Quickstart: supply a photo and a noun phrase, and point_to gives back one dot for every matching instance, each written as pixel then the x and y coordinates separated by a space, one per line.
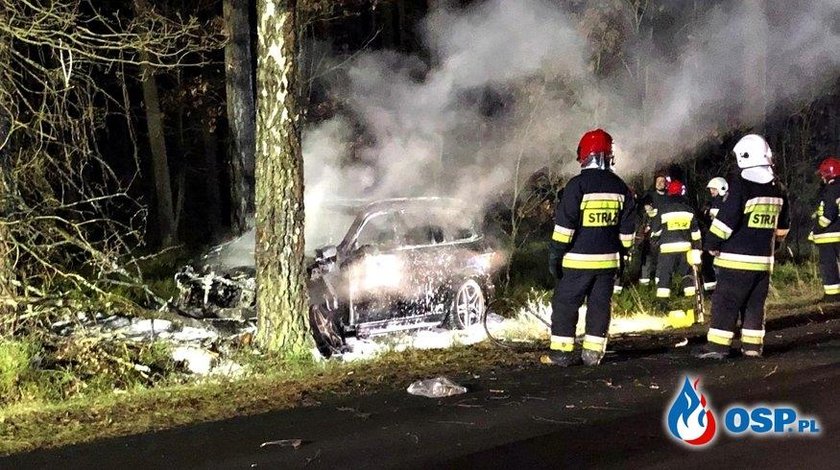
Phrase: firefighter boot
pixel 590 357
pixel 560 358
pixel 831 298
pixel 752 342
pixel 711 351
pixel 752 350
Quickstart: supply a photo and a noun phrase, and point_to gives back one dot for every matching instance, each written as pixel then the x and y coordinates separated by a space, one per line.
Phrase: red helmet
pixel 675 188
pixel 594 142
pixel 829 168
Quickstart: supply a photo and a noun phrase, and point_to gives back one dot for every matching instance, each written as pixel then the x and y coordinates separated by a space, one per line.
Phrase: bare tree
pixel 59 197
pixel 281 289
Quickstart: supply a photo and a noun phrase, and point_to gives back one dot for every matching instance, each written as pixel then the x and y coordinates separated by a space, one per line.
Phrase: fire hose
pixel 502 343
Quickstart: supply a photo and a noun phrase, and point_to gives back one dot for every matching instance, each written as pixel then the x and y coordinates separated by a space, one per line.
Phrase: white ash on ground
pixel 523 327
pixel 200 346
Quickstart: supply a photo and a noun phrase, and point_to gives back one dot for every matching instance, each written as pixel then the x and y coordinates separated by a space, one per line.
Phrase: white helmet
pixel 720 184
pixel 752 150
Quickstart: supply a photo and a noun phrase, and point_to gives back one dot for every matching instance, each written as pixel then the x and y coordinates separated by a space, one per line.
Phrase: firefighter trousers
pixel 668 266
pixel 830 267
pixel 596 287
pixel 648 251
pixel 738 293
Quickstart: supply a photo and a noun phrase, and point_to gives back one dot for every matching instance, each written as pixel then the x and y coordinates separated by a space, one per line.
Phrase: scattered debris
pixel 199 344
pixel 356 413
pixel 608 383
pixel 294 443
pixel 772 372
pixel 436 388
pixel 556 421
pixel 462 423
pixel 315 457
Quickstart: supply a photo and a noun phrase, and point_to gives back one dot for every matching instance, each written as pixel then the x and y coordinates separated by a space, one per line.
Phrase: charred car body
pixel 403 264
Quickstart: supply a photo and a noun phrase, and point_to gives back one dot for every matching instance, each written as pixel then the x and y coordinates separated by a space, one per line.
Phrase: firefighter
pixel 717 187
pixel 742 238
pixel 594 224
pixel 676 231
pixel 826 232
pixel 650 203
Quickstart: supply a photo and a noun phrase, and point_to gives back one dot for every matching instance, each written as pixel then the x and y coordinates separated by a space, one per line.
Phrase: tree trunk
pixel 281 291
pixel 214 205
pixel 157 144
pixel 240 111
pixel 160 162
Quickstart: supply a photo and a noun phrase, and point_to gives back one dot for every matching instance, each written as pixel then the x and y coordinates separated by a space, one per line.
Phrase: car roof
pixel 414 202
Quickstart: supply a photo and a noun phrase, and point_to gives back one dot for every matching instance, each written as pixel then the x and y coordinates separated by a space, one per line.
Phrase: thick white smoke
pixel 512 85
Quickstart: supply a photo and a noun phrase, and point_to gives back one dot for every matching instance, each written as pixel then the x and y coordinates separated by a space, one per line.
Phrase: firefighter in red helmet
pixel 677 233
pixel 594 226
pixel 826 233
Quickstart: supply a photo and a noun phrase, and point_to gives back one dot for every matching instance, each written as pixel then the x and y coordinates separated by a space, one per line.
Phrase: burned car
pixel 402 264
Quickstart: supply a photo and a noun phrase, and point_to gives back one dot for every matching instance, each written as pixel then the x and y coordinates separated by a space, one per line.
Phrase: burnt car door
pixel 375 269
pixel 429 259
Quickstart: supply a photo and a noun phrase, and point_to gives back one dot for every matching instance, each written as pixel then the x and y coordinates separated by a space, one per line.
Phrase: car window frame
pixel 475 235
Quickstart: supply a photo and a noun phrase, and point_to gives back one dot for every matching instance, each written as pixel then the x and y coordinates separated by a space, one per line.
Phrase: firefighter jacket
pixel 827 226
pixel 676 227
pixel 744 231
pixel 714 207
pixel 652 198
pixel 594 221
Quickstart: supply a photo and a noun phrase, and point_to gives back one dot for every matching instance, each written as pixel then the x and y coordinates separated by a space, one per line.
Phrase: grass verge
pixel 38 423
pixel 27 427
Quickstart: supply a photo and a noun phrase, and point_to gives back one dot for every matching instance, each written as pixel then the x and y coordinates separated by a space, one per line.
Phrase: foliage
pixel 68 225
pixel 16 358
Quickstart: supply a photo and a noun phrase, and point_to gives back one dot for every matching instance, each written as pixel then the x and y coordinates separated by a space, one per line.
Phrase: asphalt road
pixel 533 417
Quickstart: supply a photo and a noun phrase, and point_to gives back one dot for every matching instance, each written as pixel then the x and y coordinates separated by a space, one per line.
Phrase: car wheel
pixel 468 305
pixel 328 334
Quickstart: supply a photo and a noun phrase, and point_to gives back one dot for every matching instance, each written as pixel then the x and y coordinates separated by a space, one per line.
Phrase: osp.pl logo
pixel 690 420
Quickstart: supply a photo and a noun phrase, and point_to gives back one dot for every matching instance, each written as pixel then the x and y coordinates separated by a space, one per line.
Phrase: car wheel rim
pixel 470 303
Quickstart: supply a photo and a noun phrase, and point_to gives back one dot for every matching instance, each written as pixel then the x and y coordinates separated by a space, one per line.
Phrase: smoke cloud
pixel 510 87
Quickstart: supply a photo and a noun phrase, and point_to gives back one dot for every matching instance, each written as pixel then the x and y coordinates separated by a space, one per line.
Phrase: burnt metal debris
pixel 229 294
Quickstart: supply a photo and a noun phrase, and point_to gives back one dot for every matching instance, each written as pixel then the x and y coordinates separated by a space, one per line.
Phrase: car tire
pixel 326 330
pixel 468 306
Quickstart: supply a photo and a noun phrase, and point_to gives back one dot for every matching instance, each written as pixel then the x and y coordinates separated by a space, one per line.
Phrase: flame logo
pixel 688 419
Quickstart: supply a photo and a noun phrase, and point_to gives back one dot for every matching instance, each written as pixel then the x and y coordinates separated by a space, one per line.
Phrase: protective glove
pixel 811 236
pixel 694 257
